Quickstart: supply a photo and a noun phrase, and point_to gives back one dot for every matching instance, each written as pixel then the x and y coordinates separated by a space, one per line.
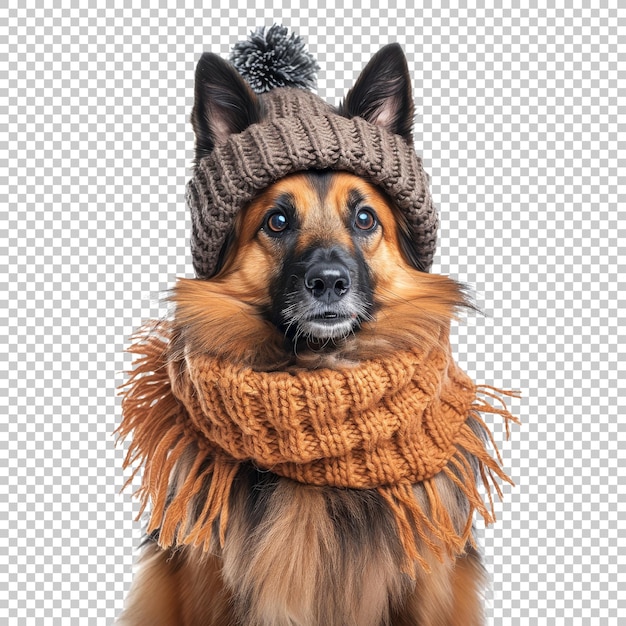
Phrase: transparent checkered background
pixel 518 126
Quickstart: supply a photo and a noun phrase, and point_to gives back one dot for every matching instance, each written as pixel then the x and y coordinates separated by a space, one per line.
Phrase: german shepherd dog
pixel 319 270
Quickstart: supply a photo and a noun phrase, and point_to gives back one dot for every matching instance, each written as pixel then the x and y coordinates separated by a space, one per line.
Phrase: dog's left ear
pixel 382 93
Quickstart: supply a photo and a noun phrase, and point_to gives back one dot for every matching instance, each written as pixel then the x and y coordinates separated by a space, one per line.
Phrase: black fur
pixel 290 288
pixel 382 93
pixel 223 103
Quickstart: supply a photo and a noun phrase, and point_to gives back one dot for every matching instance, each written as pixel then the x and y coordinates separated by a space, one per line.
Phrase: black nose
pixel 327 281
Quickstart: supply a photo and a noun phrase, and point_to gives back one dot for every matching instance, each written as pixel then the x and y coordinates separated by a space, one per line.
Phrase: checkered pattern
pixel 518 126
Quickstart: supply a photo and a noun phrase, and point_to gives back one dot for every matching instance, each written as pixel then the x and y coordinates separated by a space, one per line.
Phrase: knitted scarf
pixel 382 424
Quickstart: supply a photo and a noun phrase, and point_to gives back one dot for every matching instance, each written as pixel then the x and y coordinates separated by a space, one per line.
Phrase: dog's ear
pixel 382 93
pixel 223 103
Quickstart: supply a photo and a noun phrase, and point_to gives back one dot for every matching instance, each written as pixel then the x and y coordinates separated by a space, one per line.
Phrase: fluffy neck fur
pixel 215 317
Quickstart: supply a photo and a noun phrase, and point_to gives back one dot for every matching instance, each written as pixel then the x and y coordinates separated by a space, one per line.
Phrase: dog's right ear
pixel 223 103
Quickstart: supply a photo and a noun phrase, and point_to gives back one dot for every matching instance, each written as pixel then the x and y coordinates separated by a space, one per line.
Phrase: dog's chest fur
pixel 304 556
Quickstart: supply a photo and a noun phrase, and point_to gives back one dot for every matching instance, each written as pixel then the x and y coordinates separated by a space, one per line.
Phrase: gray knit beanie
pixel 299 132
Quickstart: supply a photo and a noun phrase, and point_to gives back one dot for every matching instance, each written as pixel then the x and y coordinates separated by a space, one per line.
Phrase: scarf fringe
pixel 158 423
pixel 433 528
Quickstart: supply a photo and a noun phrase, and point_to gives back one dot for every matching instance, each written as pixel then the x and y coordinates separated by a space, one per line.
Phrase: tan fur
pixel 292 569
pixel 320 221
pixel 450 596
pixel 214 318
pixel 296 555
pixel 177 588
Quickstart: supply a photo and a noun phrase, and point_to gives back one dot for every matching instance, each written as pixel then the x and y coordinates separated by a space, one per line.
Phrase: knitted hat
pixel 293 130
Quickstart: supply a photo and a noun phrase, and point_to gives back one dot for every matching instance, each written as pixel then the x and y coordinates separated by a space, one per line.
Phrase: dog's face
pixel 320 266
pixel 319 243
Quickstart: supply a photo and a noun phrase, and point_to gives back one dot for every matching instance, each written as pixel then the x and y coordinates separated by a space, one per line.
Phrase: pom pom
pixel 274 59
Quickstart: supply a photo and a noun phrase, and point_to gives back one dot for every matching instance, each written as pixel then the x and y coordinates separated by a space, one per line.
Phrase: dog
pixel 318 271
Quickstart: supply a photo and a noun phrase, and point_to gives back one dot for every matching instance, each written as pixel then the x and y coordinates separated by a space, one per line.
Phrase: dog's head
pixel 320 265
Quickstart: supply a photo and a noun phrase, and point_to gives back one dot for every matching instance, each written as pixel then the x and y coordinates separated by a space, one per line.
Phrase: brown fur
pixel 297 555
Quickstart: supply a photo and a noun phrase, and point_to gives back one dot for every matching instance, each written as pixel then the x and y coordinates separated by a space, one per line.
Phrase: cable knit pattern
pixel 385 419
pixel 301 132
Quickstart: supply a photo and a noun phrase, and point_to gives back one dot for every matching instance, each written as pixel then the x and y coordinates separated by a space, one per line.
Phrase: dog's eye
pixel 277 222
pixel 365 219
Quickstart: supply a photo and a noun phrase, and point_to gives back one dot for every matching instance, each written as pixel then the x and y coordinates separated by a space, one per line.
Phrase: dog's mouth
pixel 325 325
pixel 331 317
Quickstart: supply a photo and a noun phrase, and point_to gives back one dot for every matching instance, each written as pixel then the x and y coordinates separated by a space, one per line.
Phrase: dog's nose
pixel 327 281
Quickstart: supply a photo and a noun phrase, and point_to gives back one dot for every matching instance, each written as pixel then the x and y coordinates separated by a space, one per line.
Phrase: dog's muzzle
pixel 325 299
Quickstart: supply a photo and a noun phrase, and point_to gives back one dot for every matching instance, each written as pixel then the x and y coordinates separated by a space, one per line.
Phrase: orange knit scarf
pixel 382 424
